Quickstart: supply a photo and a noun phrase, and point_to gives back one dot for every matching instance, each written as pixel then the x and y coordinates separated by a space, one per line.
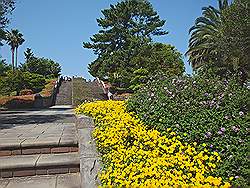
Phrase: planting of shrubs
pixel 135 156
pixel 201 110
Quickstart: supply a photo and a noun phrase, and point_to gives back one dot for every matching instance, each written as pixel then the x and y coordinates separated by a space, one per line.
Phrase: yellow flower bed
pixel 136 157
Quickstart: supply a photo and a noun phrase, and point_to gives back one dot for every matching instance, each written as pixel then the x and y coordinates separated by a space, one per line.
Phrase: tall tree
pixel 6 7
pixel 11 41
pixel 28 54
pixel 125 27
pixel 220 39
pixel 4 67
pixel 46 67
pixel 14 38
pixel 205 35
pixel 20 41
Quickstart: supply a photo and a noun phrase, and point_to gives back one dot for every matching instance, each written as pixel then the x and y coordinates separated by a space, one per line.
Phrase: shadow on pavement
pixel 13 120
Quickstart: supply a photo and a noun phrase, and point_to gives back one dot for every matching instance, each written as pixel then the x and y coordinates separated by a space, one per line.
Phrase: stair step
pixel 44 181
pixel 38 146
pixel 42 164
pixel 65 93
pixel 38 150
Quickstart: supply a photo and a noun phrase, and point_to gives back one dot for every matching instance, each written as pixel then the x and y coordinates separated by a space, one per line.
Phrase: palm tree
pixel 203 43
pixel 14 39
pixel 20 41
pixel 11 41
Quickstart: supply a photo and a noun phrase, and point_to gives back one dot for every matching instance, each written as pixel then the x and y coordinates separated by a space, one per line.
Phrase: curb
pixel 89 157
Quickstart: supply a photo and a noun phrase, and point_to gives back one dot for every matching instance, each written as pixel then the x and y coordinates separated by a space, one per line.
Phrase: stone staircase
pixel 35 150
pixel 64 97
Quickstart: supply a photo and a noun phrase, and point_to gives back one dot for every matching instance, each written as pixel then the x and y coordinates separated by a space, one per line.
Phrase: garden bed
pixel 27 101
pixel 133 155
pixel 24 101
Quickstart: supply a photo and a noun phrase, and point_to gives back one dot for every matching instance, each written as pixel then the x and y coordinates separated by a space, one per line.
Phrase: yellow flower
pixel 134 156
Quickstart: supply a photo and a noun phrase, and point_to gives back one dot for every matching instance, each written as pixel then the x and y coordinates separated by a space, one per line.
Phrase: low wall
pixel 89 157
pixel 47 101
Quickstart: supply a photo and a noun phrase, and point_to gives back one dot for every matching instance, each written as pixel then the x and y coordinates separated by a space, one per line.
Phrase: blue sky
pixel 55 29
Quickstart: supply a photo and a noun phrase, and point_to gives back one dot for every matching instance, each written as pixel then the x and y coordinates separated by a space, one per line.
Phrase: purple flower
pixel 208 134
pixel 236 177
pixel 206 94
pixel 222 129
pixel 235 129
pixel 211 146
pixel 241 113
pixel 220 133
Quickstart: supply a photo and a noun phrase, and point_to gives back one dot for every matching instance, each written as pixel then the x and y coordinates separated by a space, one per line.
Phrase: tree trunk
pixel 13 56
pixel 16 57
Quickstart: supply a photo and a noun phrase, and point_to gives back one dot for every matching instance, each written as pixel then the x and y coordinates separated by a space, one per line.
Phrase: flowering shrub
pixel 136 157
pixel 201 110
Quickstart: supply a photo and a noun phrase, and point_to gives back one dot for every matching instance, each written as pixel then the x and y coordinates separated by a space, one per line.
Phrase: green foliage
pixel 14 39
pixel 235 44
pixel 6 7
pixel 220 38
pixel 29 55
pixel 42 66
pixel 19 80
pixel 4 67
pixel 139 79
pixel 203 110
pixel 124 44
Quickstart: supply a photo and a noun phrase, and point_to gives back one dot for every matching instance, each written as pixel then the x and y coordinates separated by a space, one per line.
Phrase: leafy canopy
pixel 6 7
pixel 220 39
pixel 42 66
pixel 124 43
pixel 18 80
pixel 4 67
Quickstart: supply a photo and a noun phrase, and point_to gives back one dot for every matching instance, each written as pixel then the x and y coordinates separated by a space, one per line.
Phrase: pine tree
pixel 126 29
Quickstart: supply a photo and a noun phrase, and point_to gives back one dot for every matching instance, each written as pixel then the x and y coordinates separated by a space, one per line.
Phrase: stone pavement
pixel 38 134
pixel 48 181
pixel 56 114
pixel 36 142
pixel 35 128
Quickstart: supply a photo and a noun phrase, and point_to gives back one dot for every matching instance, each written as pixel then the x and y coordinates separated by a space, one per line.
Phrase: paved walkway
pixel 49 181
pixel 33 128
pixel 37 127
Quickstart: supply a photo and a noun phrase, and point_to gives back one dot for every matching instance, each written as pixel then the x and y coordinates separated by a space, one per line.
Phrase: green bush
pixel 4 67
pixel 202 110
pixel 18 80
pixel 42 66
